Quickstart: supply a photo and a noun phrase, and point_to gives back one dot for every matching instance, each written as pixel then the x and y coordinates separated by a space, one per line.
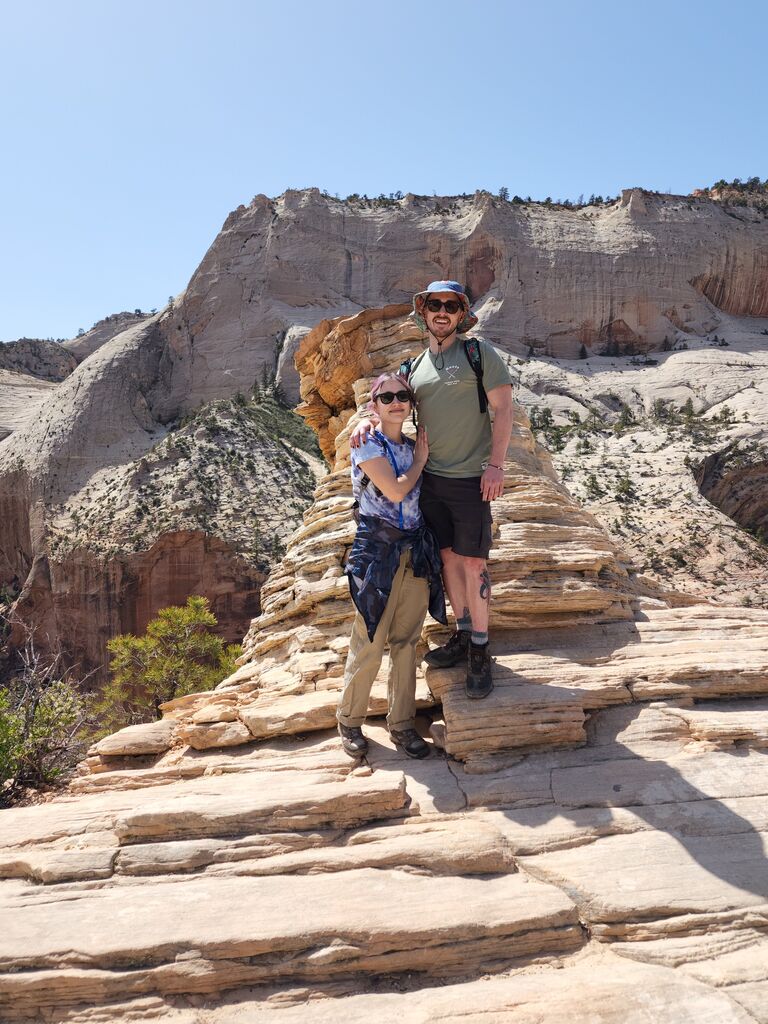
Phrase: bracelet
pixel 491 466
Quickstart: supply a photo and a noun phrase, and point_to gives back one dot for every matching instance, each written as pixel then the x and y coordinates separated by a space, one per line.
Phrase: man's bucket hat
pixel 419 298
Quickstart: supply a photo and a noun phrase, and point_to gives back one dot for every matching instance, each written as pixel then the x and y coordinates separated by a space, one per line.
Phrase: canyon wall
pixel 630 272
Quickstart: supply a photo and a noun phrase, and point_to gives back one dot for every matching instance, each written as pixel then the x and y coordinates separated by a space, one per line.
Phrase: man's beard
pixel 441 332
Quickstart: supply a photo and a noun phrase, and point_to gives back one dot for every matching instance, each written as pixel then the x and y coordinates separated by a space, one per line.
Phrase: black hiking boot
pixel 353 741
pixel 411 742
pixel 452 653
pixel 479 682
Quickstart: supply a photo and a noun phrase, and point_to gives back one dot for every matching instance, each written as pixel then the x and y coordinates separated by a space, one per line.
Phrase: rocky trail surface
pixel 262 882
pixel 588 844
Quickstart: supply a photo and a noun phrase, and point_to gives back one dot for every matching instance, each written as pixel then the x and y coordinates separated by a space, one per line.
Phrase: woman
pixel 393 571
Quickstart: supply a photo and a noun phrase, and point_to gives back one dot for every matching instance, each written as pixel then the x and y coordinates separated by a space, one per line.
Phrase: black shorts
pixel 456 513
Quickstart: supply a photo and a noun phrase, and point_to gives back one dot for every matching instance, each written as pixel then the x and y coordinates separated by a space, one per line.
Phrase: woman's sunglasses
pixel 435 305
pixel 388 397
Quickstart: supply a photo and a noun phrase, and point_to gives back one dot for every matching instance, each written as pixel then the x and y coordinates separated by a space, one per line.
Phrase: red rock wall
pixel 85 600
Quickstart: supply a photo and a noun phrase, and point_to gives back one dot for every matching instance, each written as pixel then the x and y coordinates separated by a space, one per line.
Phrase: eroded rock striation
pixel 29 369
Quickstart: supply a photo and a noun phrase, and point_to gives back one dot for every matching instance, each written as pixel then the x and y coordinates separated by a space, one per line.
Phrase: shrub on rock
pixel 43 720
pixel 179 654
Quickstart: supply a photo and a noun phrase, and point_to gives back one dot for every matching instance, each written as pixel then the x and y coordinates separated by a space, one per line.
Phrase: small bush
pixel 43 720
pixel 179 654
pixel 625 421
pixel 624 489
pixel 593 487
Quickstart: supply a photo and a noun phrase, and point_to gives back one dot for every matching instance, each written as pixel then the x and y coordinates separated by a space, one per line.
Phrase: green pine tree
pixel 179 654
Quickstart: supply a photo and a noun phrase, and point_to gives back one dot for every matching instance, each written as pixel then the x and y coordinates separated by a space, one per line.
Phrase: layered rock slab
pixel 546 682
pixel 597 990
pixel 679 858
pixel 206 935
pixel 653 884
pixel 735 963
pixel 64 841
pixel 454 846
pixel 727 722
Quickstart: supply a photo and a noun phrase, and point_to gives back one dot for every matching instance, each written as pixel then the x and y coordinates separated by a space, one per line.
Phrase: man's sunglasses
pixel 388 397
pixel 435 305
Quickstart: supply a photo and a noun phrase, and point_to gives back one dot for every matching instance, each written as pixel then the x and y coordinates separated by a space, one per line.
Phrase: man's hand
pixel 492 483
pixel 360 434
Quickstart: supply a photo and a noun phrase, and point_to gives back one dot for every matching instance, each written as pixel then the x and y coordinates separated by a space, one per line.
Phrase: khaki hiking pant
pixel 400 626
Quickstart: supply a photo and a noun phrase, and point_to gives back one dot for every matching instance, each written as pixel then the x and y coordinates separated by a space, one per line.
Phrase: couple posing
pixel 424 510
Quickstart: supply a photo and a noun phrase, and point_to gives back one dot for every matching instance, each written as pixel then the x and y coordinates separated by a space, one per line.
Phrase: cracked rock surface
pixel 271 881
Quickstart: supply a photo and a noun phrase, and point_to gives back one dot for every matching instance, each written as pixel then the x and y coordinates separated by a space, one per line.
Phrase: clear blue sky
pixel 131 128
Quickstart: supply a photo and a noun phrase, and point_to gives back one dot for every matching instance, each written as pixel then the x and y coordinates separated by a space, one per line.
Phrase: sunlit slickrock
pixel 147 738
pixel 449 847
pixel 726 722
pixel 542 691
pixel 597 989
pixel 361 921
pixel 603 799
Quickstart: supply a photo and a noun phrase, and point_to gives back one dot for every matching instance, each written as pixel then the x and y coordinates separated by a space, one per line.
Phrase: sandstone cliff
pixel 102 331
pixel 29 369
pixel 47 360
pixel 586 844
pixel 631 272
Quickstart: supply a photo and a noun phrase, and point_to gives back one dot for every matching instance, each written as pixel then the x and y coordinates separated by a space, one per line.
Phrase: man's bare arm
pixel 365 427
pixel 492 480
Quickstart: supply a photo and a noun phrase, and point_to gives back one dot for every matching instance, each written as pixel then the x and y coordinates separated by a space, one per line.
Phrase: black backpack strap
pixel 475 358
pixel 408 366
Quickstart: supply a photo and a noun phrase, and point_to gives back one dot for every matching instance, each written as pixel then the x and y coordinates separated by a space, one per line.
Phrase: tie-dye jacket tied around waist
pixel 374 560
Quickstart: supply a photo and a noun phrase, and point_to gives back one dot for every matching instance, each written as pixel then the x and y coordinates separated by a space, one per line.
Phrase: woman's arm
pixel 380 470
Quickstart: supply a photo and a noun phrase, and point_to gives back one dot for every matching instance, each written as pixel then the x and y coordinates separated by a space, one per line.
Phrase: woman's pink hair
pixel 382 379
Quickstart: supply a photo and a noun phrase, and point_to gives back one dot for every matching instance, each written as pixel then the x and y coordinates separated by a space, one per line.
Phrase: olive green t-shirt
pixel 459 435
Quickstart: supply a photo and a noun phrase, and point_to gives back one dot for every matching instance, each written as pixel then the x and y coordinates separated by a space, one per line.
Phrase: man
pixel 464 472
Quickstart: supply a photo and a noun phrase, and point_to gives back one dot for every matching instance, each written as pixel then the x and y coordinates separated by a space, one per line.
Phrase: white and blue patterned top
pixel 370 500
